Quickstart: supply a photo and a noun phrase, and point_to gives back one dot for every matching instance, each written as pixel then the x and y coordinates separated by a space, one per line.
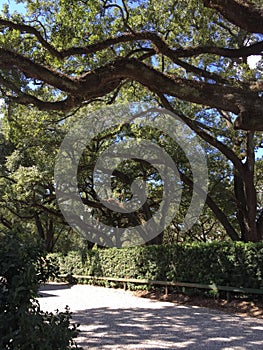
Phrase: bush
pixel 72 263
pixel 235 264
pixel 23 326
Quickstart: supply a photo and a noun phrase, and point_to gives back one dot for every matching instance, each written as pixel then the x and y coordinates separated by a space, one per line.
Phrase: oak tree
pixel 191 57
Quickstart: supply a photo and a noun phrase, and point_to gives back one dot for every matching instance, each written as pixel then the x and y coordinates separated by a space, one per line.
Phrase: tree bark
pixel 246 196
pixel 251 195
pixel 39 226
pixel 241 205
pixel 49 241
pixel 242 100
pixel 242 13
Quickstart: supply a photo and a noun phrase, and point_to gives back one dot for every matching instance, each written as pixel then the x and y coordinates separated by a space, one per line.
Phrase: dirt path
pixel 114 319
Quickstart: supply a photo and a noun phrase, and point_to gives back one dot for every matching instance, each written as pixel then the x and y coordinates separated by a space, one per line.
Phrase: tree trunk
pixel 39 226
pixel 49 241
pixel 241 205
pixel 246 196
pixel 158 240
pixel 250 190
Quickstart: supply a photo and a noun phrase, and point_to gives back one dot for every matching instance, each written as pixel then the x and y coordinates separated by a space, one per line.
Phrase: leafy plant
pixel 23 325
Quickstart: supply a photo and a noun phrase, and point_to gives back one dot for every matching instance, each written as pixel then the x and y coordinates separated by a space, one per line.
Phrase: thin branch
pixel 207 137
pixel 24 28
pixel 220 215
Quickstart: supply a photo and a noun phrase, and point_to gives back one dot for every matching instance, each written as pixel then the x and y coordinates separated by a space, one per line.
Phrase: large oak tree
pixel 190 56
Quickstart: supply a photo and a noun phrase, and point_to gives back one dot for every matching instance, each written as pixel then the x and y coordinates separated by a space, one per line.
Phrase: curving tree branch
pixel 101 81
pixel 243 14
pixel 198 128
pixel 160 45
pixel 206 88
pixel 219 214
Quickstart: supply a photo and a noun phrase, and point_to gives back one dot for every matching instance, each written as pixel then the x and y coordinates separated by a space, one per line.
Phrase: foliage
pixel 28 194
pixel 23 326
pixel 203 53
pixel 70 263
pixel 236 264
pixel 29 144
pixel 187 56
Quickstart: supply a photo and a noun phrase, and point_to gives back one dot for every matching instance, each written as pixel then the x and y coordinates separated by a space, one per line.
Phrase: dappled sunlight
pixel 168 327
pixel 114 319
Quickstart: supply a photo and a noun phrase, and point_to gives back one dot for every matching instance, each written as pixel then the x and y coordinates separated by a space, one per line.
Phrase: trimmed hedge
pixel 235 264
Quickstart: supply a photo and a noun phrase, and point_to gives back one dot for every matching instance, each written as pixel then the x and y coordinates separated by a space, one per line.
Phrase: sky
pixel 13 6
pixel 253 60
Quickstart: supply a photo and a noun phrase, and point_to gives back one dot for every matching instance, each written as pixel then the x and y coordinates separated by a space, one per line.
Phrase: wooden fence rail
pixel 166 284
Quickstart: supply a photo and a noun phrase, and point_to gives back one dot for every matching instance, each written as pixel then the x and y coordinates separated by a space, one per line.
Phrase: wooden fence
pixel 166 284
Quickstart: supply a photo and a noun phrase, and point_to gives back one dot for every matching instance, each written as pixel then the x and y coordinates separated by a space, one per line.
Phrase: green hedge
pixel 235 264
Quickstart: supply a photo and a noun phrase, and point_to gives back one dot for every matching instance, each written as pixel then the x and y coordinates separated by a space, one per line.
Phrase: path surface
pixel 114 319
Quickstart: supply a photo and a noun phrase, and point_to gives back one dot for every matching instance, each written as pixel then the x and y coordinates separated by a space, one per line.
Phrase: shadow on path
pixel 52 287
pixel 114 319
pixel 175 327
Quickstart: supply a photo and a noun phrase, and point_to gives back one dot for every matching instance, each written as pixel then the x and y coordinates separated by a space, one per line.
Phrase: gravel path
pixel 114 319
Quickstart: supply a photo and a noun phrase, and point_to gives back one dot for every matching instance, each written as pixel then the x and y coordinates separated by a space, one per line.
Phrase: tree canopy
pixel 62 54
pixel 61 59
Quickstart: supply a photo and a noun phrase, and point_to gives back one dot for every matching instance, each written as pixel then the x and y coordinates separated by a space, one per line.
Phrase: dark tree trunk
pixel 246 196
pixel 250 190
pixel 39 226
pixel 158 240
pixel 241 205
pixel 49 241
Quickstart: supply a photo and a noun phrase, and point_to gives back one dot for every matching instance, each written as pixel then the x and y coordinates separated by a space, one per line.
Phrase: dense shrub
pixel 236 264
pixel 23 326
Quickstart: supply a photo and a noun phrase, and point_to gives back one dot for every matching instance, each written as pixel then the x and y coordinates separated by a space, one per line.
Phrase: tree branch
pixel 160 44
pixel 11 59
pixel 23 28
pixel 196 127
pixel 242 101
pixel 242 13
pixel 219 214
pixel 253 49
